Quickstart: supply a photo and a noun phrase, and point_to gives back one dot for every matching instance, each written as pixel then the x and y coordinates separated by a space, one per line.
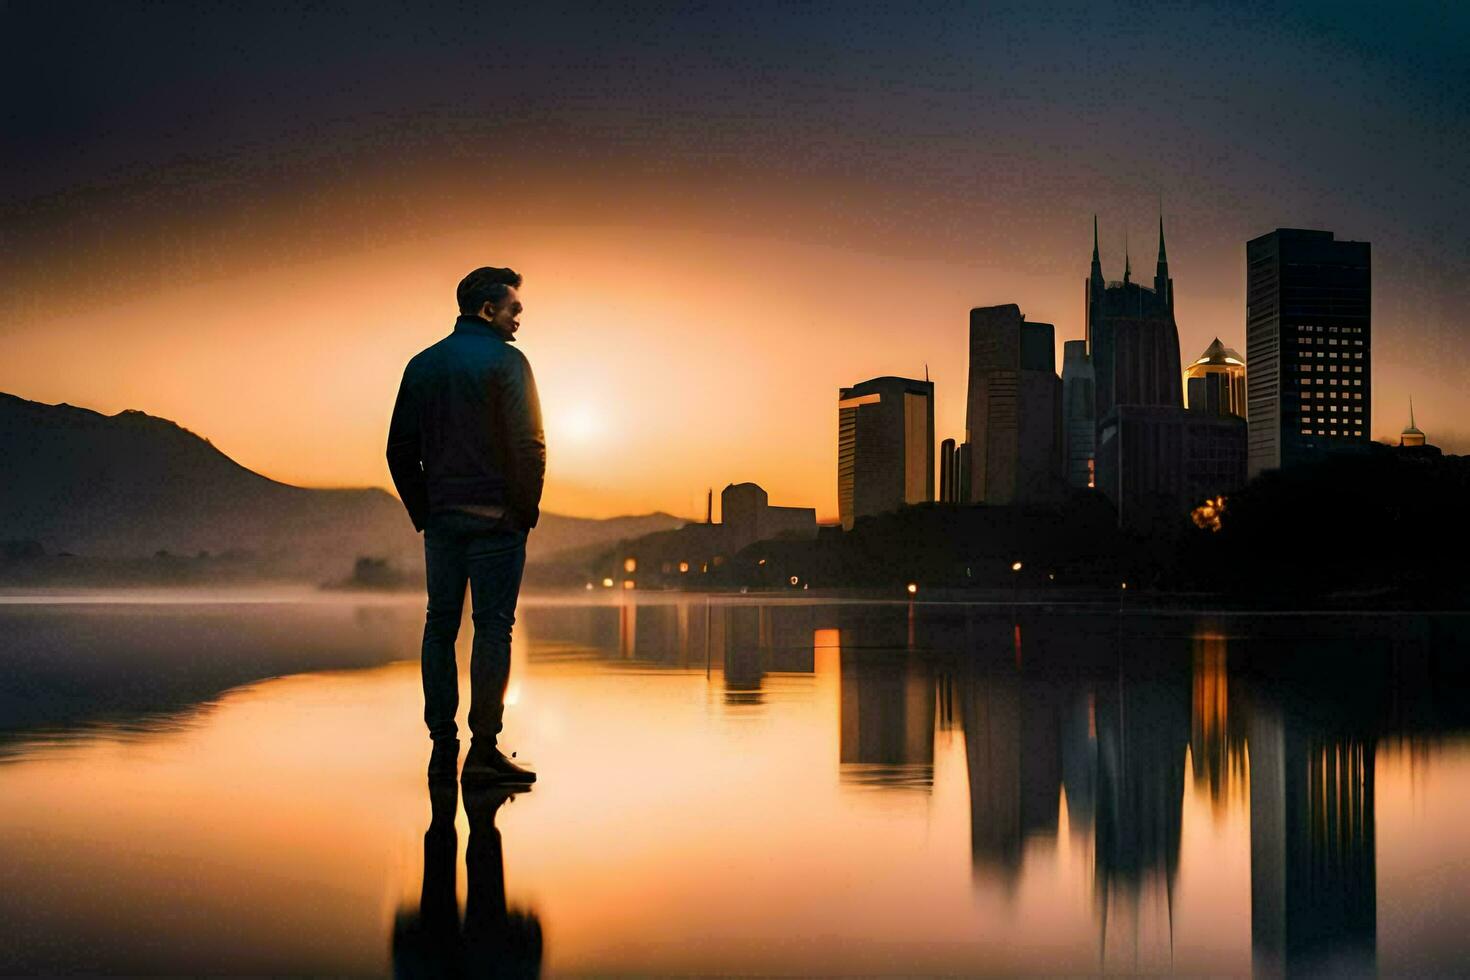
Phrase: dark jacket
pixel 466 428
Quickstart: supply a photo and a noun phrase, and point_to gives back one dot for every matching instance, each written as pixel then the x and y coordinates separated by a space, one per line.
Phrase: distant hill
pixel 131 485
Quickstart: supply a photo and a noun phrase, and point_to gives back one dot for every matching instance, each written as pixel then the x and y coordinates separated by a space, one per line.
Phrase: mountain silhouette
pixel 131 485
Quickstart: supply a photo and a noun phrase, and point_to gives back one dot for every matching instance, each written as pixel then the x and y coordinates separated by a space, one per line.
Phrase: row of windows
pixel 1330 381
pixel 1307 328
pixel 1346 355
pixel 1332 368
pixel 1329 342
pixel 1333 432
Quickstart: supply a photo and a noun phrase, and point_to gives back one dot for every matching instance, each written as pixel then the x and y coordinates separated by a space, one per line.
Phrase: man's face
pixel 505 315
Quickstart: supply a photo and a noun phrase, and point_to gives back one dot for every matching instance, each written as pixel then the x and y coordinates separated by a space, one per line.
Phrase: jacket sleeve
pixel 404 455
pixel 525 441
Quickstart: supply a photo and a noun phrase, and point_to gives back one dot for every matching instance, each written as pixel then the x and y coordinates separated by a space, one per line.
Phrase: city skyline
pixel 263 265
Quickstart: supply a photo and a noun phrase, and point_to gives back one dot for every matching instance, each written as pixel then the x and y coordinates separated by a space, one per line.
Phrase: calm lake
pixel 235 784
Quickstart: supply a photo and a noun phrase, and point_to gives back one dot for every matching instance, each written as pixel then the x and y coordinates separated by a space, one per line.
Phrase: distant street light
pixel 607 583
pixel 913 588
pixel 1015 566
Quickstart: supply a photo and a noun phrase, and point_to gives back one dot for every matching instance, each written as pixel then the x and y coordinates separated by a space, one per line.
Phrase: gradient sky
pixel 246 218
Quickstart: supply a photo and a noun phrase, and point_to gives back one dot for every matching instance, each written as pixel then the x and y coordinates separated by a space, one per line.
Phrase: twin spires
pixel 1162 284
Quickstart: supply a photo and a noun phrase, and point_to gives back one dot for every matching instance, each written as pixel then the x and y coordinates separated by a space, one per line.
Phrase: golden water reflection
pixel 755 788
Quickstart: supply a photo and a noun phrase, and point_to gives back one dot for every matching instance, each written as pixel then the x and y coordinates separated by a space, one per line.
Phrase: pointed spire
pixel 1095 258
pixel 1411 413
pixel 1163 255
pixel 1127 263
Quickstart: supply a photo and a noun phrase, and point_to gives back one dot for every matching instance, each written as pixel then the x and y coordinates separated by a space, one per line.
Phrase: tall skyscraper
pixel 885 446
pixel 1308 319
pixel 1154 460
pixel 1131 336
pixel 1013 414
pixel 1079 425
pixel 1215 381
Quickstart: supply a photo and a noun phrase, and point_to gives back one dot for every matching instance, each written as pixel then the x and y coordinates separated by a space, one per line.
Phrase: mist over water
pixel 234 783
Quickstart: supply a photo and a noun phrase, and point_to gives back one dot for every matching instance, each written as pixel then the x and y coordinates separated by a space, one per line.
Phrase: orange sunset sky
pixel 251 238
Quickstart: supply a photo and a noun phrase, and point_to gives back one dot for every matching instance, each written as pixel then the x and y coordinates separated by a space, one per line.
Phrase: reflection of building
pixel 1079 425
pixel 1314 897
pixel 887 718
pixel 1216 743
pixel 1215 381
pixel 1142 730
pixel 748 517
pixel 885 446
pixel 1013 416
pixel 1309 343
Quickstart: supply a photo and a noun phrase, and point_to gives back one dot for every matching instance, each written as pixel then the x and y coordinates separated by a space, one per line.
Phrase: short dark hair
pixel 485 285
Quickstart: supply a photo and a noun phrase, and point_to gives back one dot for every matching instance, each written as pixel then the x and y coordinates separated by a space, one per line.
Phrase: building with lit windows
pixel 1215 381
pixel 1309 343
pixel 885 446
pixel 1013 410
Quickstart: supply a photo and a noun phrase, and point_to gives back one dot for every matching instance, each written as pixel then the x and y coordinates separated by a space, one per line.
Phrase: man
pixel 468 457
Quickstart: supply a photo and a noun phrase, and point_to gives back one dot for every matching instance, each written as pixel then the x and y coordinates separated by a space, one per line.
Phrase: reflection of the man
pixel 493 940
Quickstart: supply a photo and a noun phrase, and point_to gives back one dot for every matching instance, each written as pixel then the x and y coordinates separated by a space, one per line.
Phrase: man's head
pixel 491 294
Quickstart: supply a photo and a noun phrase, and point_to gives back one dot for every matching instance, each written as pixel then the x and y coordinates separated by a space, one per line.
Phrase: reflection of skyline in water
pixel 1108 724
pixel 1069 744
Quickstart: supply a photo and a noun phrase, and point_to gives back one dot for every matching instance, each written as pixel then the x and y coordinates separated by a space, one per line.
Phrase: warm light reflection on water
pixel 736 787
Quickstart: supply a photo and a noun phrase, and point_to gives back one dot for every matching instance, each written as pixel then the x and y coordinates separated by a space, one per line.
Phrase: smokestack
pixel 709 506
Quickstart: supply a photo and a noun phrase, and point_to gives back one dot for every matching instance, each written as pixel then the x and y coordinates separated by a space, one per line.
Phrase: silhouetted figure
pixel 494 940
pixel 468 457
pixel 426 943
pixel 498 941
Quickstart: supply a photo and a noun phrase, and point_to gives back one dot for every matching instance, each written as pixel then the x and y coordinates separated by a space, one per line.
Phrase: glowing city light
pixel 913 588
pixel 627 583
pixel 683 567
pixel 630 564
pixel 607 583
pixel 1015 566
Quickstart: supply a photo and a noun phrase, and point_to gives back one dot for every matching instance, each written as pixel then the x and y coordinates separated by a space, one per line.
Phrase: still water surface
pixel 207 786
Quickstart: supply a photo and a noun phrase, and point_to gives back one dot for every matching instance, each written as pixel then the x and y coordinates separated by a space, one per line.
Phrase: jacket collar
pixel 467 323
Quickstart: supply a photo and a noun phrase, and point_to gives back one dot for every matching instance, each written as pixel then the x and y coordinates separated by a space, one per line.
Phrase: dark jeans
pixel 488 555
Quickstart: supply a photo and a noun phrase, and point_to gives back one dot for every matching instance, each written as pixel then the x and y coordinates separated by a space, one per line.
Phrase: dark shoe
pixel 487 764
pixel 444 762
